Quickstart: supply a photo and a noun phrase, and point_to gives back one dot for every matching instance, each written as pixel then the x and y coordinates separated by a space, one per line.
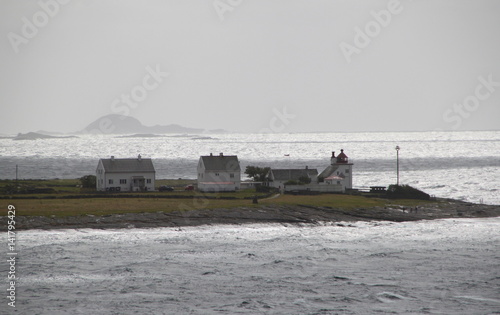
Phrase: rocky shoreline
pixel 298 214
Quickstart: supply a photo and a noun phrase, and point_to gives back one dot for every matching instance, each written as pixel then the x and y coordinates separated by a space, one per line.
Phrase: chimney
pixel 333 154
pixel 139 157
pixel 221 154
pixel 112 158
pixel 307 167
pixel 211 154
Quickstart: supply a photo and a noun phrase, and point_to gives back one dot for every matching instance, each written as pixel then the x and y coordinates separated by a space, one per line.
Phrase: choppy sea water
pixel 461 165
pixel 428 267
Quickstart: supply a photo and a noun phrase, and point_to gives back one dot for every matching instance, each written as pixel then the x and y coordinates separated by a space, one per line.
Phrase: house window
pixel 347 171
pixel 338 182
pixel 110 182
pixel 216 174
pixel 148 181
pixel 123 181
pixel 231 175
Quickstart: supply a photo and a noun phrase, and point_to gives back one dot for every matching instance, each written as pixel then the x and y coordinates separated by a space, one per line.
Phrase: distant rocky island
pixel 128 127
pixel 120 124
pixel 36 135
pixel 140 135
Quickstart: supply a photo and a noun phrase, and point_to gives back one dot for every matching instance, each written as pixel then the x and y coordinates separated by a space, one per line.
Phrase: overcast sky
pixel 328 65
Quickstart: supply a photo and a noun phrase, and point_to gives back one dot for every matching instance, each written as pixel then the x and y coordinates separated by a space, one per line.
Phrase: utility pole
pixel 16 173
pixel 397 163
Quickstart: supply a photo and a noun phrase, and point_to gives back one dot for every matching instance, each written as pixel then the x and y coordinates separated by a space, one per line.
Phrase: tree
pixel 88 181
pixel 257 173
pixel 304 180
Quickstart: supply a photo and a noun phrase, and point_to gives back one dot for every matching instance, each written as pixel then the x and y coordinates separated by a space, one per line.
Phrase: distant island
pixel 140 135
pixel 114 124
pixel 36 135
pixel 120 124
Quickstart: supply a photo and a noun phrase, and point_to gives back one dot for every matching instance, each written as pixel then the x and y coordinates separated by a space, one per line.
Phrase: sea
pixel 427 267
pixel 448 266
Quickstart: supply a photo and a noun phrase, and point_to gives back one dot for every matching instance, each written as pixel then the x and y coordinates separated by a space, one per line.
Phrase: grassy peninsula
pixel 49 204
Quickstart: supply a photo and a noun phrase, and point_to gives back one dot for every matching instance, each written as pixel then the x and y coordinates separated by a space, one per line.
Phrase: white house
pixel 217 173
pixel 125 174
pixel 339 172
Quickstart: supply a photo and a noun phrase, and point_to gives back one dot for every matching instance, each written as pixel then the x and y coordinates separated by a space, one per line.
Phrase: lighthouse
pixel 339 170
pixel 344 168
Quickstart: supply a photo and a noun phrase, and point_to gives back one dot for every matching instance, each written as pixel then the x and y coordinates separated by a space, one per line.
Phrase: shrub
pixel 88 181
pixel 304 180
pixel 406 192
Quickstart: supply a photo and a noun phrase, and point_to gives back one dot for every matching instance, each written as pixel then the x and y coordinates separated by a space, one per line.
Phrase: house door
pixel 138 183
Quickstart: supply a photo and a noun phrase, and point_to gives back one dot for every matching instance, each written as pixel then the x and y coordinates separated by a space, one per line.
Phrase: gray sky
pixel 332 65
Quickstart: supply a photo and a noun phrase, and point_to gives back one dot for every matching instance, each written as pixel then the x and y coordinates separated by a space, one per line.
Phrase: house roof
pixel 127 165
pixel 292 174
pixel 334 177
pixel 328 171
pixel 221 163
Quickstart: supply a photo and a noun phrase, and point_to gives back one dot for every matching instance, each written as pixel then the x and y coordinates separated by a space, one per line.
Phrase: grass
pixel 340 201
pixel 153 201
pixel 65 187
pixel 105 206
pixel 59 185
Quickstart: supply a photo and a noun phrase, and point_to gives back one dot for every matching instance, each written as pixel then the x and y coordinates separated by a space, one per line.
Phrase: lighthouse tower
pixel 342 168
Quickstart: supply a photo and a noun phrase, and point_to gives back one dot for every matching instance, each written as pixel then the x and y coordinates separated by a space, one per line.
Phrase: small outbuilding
pixel 278 177
pixel 125 174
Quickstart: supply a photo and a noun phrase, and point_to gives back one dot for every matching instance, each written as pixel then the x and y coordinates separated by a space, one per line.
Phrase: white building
pixel 125 174
pixel 217 173
pixel 278 177
pixel 336 178
pixel 339 172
